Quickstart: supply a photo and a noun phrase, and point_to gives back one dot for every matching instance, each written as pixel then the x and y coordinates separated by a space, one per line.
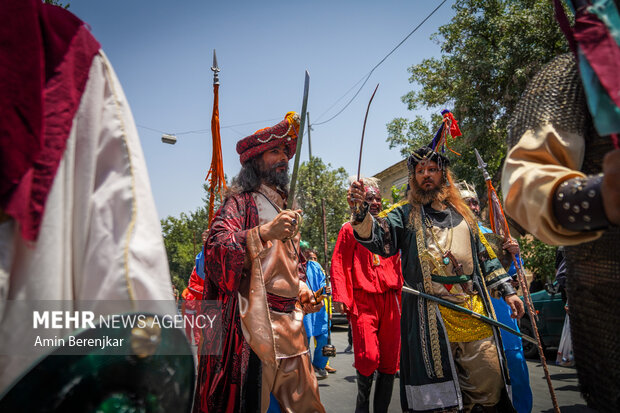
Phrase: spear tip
pixel 482 165
pixel 215 67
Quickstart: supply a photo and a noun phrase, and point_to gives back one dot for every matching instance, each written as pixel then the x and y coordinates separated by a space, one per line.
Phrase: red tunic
pixel 370 287
pixel 356 268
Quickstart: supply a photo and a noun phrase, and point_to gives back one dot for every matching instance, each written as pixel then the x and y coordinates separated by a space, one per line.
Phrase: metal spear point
pixel 216 69
pixel 482 165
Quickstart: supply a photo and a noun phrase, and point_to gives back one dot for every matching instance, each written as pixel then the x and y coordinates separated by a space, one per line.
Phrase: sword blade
pixel 300 135
pixel 359 163
pixel 467 311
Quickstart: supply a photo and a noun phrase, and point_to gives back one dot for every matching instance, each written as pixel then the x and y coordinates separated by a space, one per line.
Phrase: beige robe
pixel 279 339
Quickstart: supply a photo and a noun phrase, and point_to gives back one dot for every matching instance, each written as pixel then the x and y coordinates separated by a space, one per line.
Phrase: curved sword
pixel 300 135
pixel 469 312
pixel 359 164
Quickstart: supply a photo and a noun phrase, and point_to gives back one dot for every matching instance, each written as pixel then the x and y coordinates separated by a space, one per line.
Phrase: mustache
pixel 280 165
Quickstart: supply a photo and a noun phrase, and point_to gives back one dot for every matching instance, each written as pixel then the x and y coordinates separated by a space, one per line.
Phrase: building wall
pixel 395 175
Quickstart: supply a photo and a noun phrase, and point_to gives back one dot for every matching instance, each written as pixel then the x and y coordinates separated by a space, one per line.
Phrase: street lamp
pixel 169 139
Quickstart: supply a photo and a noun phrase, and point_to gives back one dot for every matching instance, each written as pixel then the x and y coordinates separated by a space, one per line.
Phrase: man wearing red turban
pixel 252 270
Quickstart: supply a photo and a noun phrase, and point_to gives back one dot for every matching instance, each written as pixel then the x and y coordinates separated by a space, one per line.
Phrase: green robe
pixel 428 378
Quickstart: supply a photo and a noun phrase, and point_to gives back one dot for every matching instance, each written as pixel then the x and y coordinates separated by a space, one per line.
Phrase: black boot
pixel 364 383
pixel 383 392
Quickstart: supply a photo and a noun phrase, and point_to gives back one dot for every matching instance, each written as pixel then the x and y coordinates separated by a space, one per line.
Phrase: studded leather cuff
pixel 505 289
pixel 358 215
pixel 578 204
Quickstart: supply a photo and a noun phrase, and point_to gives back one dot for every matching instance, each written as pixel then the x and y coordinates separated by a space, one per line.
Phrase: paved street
pixel 339 390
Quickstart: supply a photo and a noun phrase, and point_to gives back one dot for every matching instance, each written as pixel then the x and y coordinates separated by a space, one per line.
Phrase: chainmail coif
pixel 556 96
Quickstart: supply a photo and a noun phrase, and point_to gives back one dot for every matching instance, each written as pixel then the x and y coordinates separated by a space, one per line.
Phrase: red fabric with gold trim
pixel 45 60
pixel 262 140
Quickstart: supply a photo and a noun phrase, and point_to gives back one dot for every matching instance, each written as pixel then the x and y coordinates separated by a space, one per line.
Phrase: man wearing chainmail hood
pixel 561 182
pixel 449 361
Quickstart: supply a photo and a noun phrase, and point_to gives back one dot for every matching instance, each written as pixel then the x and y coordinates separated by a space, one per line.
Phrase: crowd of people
pixel 408 277
pixel 254 267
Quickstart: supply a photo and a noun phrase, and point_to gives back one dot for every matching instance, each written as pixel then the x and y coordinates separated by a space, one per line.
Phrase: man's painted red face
pixel 428 175
pixel 373 197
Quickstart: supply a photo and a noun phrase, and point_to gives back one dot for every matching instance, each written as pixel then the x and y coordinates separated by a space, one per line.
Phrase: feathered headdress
pixel 449 127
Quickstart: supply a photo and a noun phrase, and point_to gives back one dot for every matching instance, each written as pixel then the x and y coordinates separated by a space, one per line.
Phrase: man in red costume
pixel 252 270
pixel 367 287
pixel 189 309
pixel 192 297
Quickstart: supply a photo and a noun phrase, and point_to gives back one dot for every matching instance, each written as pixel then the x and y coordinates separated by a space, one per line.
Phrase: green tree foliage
pixel 539 258
pixel 57 3
pixel 397 195
pixel 490 50
pixel 317 181
pixel 183 240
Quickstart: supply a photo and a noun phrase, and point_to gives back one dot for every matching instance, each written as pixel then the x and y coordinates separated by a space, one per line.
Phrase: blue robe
pixel 513 348
pixel 316 324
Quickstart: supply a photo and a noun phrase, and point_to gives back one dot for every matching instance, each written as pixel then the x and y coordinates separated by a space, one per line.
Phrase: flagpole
pixel 329 350
pixel 217 181
pixel 503 230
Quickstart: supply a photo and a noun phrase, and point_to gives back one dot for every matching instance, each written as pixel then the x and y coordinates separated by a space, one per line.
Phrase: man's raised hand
pixel 355 194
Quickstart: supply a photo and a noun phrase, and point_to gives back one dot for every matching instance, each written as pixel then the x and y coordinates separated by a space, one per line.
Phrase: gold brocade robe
pixel 459 327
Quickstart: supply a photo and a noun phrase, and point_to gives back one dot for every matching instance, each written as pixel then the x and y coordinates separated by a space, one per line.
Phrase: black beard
pixel 275 178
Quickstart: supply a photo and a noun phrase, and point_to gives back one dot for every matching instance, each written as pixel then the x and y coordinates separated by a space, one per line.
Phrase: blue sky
pixel 162 54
